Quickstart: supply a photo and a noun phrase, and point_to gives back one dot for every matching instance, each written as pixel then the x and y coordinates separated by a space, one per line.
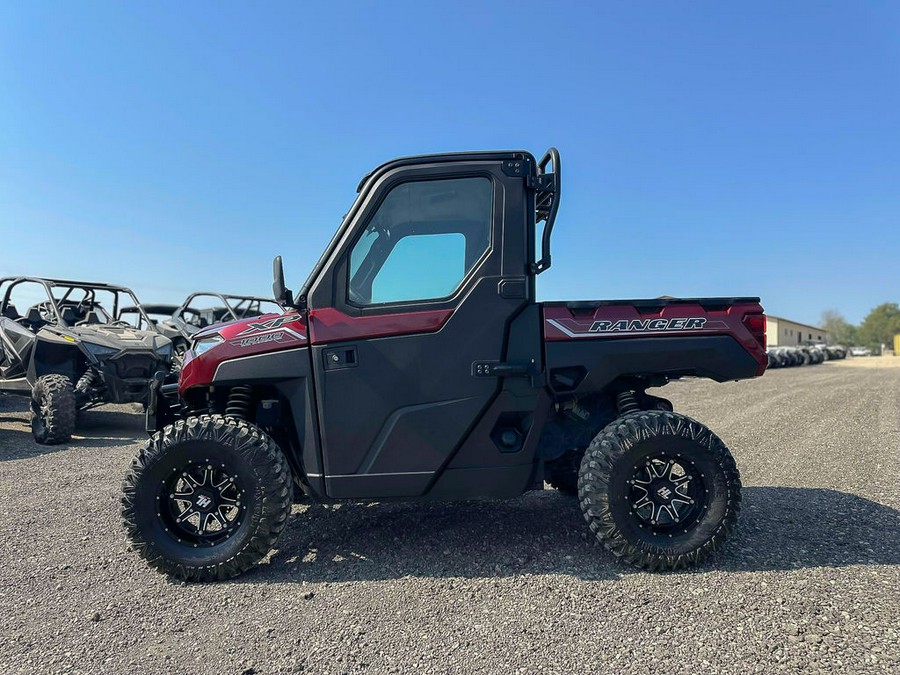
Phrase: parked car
pixel 147 317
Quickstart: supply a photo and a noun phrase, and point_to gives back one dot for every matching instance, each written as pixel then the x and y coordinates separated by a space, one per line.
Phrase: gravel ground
pixel 810 582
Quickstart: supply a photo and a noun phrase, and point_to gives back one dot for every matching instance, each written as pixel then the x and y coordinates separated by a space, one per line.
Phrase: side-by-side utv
pixel 67 352
pixel 416 363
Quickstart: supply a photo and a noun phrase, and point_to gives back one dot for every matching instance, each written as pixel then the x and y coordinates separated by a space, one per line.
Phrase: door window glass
pixel 422 242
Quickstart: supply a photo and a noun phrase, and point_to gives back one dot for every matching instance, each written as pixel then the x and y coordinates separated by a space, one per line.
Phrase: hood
pixel 238 339
pixel 224 327
pixel 114 337
pixel 279 330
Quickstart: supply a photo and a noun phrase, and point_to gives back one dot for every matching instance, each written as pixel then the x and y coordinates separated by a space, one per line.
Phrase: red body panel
pixel 678 319
pixel 329 325
pixel 271 333
pixel 267 333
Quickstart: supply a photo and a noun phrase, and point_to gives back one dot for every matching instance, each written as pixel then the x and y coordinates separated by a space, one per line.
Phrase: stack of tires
pixel 788 357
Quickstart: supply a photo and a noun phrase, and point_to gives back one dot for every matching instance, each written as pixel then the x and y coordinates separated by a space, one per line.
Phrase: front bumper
pixel 127 378
pixel 125 390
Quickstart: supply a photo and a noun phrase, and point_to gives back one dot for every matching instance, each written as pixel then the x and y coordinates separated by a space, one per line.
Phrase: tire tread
pixel 258 449
pixel 59 424
pixel 610 446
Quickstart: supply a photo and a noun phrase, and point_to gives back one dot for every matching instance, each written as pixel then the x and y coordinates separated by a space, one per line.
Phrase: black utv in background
pixel 200 310
pixel 67 352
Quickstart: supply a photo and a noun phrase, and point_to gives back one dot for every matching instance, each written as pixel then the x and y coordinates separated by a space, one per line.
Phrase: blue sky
pixel 709 148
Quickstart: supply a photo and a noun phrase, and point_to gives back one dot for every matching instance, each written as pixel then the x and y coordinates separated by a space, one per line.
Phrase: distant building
pixel 783 333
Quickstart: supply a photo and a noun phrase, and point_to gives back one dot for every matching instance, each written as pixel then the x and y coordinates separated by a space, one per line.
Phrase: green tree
pixel 880 326
pixel 840 331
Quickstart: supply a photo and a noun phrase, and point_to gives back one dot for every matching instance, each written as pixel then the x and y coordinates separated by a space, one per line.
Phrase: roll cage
pixel 70 308
pixel 232 308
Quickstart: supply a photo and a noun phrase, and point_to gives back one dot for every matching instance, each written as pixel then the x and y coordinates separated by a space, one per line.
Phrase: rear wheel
pixel 53 409
pixel 659 490
pixel 207 498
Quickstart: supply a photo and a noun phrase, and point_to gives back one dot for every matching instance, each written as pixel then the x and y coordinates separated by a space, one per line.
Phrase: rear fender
pixel 580 367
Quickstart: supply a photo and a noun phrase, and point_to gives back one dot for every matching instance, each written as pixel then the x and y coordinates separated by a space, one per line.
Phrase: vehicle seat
pixel 34 318
pixel 10 312
pixel 69 316
pixel 91 317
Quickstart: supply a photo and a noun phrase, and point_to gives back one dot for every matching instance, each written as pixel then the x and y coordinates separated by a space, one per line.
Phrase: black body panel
pixel 602 362
pixel 266 367
pixel 290 373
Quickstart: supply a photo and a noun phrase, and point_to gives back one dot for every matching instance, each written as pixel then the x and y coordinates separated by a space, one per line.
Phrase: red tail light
pixel 756 324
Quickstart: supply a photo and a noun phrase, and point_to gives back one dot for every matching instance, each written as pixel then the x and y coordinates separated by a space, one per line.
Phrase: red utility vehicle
pixel 415 363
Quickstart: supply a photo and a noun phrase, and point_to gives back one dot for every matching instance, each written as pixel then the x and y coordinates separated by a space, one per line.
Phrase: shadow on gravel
pixel 784 528
pixel 97 428
pixel 543 533
pixel 539 533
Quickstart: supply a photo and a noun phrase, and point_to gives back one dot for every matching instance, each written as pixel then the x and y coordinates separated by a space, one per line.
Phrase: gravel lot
pixel 810 582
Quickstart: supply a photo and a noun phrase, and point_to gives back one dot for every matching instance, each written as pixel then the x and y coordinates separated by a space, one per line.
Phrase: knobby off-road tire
pixel 659 490
pixel 562 473
pixel 206 498
pixel 53 409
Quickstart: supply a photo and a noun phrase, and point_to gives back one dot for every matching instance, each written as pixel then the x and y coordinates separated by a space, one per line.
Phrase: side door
pixel 404 320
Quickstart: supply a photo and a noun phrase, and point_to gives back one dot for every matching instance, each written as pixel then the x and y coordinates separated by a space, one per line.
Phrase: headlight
pixel 165 351
pixel 205 344
pixel 99 351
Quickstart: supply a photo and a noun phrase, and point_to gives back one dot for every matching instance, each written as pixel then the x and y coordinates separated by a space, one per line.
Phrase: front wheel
pixel 659 490
pixel 206 498
pixel 53 409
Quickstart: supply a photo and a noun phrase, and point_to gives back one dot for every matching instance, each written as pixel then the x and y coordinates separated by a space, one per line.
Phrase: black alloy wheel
pixel 659 490
pixel 667 494
pixel 203 503
pixel 207 498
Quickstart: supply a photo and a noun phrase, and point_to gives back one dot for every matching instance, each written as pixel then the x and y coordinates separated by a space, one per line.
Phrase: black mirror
pixel 283 295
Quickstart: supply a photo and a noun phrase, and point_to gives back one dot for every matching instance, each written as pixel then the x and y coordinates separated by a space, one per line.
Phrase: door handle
pixel 336 359
pixel 499 369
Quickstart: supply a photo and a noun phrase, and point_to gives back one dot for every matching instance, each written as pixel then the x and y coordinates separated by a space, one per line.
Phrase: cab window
pixel 422 241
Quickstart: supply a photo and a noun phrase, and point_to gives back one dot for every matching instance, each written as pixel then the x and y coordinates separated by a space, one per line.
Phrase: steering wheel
pixel 46 310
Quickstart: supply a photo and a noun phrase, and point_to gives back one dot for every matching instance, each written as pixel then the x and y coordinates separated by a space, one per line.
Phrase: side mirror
pixel 283 295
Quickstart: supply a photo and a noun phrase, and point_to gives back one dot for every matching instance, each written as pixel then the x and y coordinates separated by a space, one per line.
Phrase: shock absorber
pixel 84 388
pixel 626 401
pixel 239 400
